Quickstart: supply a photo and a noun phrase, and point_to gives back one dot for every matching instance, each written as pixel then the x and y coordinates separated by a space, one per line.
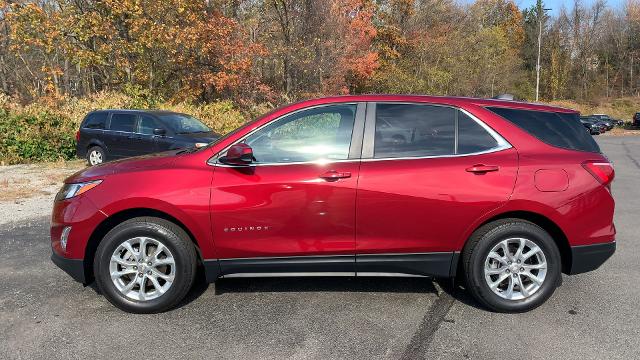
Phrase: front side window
pixel 96 121
pixel 412 130
pixel 123 122
pixel 322 133
pixel 146 125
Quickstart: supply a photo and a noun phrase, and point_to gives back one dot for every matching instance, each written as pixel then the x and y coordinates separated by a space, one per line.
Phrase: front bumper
pixel 586 258
pixel 73 267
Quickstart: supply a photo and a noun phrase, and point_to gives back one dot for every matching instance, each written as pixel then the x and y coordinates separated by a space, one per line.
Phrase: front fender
pixel 196 221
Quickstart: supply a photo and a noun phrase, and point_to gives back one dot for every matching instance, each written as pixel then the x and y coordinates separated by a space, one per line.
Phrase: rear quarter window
pixel 561 130
pixel 96 121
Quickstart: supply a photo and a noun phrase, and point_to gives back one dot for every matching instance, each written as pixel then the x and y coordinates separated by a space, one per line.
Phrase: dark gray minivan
pixel 113 134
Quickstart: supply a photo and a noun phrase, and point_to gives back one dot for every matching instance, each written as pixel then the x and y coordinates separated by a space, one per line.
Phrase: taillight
pixel 602 171
pixel 78 135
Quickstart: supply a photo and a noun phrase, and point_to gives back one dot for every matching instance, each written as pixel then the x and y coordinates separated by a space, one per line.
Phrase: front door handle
pixel 333 175
pixel 482 169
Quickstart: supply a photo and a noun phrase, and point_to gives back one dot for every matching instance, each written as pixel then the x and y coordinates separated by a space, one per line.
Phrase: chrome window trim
pixel 213 161
pixel 130 133
pixel 502 143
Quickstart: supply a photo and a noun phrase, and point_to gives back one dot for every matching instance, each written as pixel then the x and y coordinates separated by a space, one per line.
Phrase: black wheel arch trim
pixel 73 267
pixel 586 258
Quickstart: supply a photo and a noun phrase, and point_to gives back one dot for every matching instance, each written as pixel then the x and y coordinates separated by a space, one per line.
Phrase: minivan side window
pixel 123 122
pixel 96 121
pixel 414 130
pixel 146 125
pixel 307 135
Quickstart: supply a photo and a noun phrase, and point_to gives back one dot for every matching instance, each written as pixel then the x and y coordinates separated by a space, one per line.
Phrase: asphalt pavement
pixel 46 315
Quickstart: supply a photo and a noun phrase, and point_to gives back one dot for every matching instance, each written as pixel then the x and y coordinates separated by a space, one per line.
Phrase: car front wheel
pixel 511 265
pixel 145 265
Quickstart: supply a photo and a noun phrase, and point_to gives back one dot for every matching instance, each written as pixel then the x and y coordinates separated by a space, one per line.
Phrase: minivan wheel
pixel 511 265
pixel 96 155
pixel 145 265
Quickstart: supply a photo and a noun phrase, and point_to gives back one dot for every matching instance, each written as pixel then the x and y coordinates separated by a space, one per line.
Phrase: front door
pixel 427 173
pixel 293 209
pixel 146 143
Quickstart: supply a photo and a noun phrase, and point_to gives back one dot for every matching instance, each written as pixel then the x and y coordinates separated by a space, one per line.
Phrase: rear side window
pixel 556 129
pixel 413 130
pixel 123 122
pixel 408 130
pixel 472 137
pixel 96 121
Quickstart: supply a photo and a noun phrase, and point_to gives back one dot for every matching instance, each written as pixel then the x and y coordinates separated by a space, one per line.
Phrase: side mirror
pixel 159 131
pixel 238 154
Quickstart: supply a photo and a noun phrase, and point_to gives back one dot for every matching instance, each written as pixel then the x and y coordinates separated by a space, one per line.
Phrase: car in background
pixel 597 124
pixel 608 121
pixel 114 134
pixel 591 125
pixel 504 195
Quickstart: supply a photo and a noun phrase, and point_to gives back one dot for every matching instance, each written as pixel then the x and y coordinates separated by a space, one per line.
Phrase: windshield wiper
pixel 188 150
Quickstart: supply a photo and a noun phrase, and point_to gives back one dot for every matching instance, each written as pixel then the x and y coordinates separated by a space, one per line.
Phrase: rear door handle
pixel 481 168
pixel 333 175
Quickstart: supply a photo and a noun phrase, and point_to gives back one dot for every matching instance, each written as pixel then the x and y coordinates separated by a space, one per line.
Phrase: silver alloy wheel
pixel 515 268
pixel 95 157
pixel 142 268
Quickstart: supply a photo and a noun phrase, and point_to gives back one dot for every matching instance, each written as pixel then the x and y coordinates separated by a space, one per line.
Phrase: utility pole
pixel 541 11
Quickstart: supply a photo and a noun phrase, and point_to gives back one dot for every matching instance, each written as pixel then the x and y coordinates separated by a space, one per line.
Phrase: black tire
pixel 100 151
pixel 480 244
pixel 171 236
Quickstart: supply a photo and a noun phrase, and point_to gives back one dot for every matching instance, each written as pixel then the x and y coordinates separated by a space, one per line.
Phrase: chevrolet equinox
pixel 505 195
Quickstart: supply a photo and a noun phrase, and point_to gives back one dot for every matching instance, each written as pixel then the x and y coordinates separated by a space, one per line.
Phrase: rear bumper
pixel 586 258
pixel 73 267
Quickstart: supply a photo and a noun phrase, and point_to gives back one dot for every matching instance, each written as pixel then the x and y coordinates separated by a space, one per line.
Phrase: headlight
pixel 70 190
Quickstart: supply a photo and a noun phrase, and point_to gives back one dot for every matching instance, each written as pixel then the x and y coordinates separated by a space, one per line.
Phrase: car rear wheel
pixel 145 265
pixel 511 265
pixel 96 155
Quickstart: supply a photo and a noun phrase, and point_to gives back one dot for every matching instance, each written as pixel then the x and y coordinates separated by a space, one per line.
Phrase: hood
pixel 157 160
pixel 206 137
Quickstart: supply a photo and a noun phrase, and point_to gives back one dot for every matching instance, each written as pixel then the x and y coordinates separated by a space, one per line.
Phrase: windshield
pixel 183 124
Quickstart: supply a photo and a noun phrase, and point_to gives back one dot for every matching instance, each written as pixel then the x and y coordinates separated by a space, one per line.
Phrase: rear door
pixel 121 135
pixel 417 194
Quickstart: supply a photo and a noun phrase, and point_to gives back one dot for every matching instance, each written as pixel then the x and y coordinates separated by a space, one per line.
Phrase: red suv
pixel 506 195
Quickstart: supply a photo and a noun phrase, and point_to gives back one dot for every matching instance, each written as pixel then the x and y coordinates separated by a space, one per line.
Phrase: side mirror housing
pixel 238 154
pixel 160 132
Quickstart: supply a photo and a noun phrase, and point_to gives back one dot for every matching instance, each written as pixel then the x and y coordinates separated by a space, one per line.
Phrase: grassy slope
pixel 622 108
